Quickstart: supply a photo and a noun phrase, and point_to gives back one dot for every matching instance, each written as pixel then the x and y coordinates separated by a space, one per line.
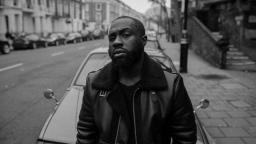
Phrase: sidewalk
pixel 231 116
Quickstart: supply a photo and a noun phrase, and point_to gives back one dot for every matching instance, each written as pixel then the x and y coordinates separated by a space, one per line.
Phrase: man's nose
pixel 118 41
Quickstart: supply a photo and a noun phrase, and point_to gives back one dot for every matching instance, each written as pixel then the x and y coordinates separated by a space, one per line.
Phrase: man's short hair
pixel 139 27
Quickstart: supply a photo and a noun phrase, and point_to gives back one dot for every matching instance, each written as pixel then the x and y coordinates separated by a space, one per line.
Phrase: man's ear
pixel 144 39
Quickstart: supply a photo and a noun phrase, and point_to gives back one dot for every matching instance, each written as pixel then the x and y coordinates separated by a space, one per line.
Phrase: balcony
pixel 28 8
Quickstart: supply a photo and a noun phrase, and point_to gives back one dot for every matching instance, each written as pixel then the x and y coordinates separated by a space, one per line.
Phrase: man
pixel 132 100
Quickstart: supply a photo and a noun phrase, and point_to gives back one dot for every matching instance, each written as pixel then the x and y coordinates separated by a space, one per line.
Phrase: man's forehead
pixel 121 24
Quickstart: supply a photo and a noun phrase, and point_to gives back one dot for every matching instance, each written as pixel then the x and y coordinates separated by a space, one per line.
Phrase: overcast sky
pixel 141 5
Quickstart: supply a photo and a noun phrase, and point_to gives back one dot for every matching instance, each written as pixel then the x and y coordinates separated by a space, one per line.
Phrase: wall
pixel 203 43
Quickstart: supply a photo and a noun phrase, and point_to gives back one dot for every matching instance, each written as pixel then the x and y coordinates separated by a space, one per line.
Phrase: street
pixel 24 76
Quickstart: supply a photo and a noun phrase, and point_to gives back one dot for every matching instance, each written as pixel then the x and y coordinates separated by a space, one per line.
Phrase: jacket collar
pixel 153 77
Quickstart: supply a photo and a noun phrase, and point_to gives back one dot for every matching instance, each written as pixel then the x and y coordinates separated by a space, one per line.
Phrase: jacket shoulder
pixel 90 92
pixel 92 75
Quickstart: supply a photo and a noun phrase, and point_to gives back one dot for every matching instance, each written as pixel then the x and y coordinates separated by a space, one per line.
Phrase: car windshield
pixel 98 60
pixel 94 62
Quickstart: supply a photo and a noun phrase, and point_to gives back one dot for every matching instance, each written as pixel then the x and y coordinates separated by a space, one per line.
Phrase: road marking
pixel 11 67
pixel 57 53
pixel 80 48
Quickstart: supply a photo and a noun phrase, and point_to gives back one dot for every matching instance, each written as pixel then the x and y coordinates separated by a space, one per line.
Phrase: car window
pixel 94 62
pixel 165 63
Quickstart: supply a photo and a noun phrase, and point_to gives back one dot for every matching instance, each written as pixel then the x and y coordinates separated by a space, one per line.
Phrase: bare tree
pixel 162 4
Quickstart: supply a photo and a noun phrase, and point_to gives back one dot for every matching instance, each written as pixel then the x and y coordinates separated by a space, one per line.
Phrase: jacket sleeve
pixel 87 132
pixel 181 120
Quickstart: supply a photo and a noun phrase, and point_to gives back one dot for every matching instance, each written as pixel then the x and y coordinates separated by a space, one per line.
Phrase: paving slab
pixel 252 120
pixel 229 141
pixel 251 131
pixel 215 132
pixel 218 114
pixel 239 114
pixel 231 116
pixel 214 122
pixel 234 132
pixel 237 122
pixel 250 140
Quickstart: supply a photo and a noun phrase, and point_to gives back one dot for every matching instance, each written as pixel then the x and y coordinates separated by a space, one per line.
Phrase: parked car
pixel 27 41
pixel 5 45
pixel 60 127
pixel 73 37
pixel 85 35
pixel 98 34
pixel 55 39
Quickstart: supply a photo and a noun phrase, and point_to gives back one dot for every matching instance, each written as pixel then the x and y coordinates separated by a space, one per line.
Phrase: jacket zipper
pixel 134 119
pixel 117 129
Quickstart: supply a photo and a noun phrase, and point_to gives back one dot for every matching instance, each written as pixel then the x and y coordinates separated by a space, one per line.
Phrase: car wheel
pixel 6 49
pixel 34 46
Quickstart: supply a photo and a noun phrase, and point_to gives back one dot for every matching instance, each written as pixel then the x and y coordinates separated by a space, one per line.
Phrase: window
pixel 98 17
pixel 86 7
pixel 29 4
pixel 87 16
pixel 47 3
pixel 7 23
pixel 16 20
pixel 99 6
pixel 95 62
pixel 39 2
pixel 15 2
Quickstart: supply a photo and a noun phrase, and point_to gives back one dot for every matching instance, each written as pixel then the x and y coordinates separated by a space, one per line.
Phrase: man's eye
pixel 126 35
pixel 111 38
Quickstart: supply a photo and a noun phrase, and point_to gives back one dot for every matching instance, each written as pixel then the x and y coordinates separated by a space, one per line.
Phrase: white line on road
pixel 80 48
pixel 57 53
pixel 11 67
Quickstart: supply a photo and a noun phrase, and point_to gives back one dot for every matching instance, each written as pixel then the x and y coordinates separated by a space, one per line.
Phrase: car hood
pixel 61 125
pixel 70 37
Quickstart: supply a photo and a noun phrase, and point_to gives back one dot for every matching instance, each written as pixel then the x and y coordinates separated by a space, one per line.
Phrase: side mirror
pixel 49 94
pixel 203 104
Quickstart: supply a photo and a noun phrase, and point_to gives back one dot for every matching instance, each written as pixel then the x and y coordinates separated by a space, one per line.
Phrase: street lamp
pixel 184 39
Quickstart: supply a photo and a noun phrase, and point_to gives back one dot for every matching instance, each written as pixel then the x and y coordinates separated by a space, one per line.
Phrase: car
pixel 98 33
pixel 73 37
pixel 27 41
pixel 151 34
pixel 5 45
pixel 55 39
pixel 85 35
pixel 60 127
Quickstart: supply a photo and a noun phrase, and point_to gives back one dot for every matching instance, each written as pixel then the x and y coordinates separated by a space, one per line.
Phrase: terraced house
pixel 45 16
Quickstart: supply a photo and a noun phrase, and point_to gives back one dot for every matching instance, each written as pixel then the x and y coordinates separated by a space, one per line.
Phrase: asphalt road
pixel 24 75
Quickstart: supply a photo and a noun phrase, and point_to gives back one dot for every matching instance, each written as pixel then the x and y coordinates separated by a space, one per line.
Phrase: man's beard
pixel 127 61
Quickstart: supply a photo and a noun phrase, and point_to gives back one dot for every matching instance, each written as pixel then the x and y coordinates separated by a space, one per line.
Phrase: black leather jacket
pixel 162 109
